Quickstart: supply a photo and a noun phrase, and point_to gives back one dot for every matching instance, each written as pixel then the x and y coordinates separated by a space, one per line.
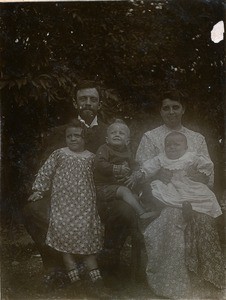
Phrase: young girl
pixel 74 227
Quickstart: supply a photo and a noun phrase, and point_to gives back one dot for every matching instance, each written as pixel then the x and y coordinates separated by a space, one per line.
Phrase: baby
pixel 182 189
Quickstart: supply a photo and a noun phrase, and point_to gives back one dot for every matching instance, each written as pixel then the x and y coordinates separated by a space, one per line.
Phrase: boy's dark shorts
pixel 107 193
pixel 107 201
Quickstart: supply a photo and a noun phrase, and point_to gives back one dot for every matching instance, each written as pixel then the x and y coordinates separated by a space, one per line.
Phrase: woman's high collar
pixel 179 128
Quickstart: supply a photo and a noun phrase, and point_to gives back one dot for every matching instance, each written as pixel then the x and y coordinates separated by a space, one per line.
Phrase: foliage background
pixel 134 49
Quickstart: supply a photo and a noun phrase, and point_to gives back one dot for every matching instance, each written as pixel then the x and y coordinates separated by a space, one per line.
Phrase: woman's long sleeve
pixel 203 150
pixel 204 165
pixel 145 150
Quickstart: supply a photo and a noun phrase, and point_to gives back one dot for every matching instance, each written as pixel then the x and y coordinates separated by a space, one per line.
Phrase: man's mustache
pixel 82 108
pixel 87 111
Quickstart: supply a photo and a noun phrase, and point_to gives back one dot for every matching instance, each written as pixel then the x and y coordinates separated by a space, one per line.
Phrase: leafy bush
pixel 135 49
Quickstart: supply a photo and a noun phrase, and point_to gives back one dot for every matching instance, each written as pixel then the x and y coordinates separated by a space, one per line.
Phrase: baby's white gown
pixel 182 188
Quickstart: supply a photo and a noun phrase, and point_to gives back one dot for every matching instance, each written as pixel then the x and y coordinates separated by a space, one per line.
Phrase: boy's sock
pixel 73 275
pixel 95 275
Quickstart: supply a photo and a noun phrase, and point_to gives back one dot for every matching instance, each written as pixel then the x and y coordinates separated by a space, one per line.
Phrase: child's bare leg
pixel 92 266
pixel 69 261
pixel 91 262
pixel 126 195
pixel 71 267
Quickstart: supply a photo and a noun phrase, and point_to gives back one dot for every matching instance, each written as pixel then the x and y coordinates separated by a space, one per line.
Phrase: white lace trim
pixel 206 172
pixel 177 164
pixel 84 154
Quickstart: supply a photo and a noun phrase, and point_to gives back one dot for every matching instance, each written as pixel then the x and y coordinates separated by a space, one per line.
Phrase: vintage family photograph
pixel 113 155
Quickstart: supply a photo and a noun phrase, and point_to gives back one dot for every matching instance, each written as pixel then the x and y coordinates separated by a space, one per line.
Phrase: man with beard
pixel 118 221
pixel 36 214
pixel 87 103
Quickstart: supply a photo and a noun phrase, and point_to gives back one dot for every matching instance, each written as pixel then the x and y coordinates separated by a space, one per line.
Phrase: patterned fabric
pixel 152 144
pixel 201 236
pixel 182 188
pixel 167 273
pixel 94 275
pixel 73 275
pixel 74 225
pixel 166 270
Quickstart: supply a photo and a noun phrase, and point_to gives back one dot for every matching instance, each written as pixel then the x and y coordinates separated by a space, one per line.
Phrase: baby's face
pixel 118 135
pixel 175 146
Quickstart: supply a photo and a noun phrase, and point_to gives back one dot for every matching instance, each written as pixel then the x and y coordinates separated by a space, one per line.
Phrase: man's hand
pixel 164 175
pixel 35 196
pixel 197 176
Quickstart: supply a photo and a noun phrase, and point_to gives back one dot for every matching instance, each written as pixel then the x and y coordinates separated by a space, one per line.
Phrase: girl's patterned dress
pixel 74 225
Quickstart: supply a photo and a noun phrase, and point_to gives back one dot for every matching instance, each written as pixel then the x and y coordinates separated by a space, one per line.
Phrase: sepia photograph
pixel 113 154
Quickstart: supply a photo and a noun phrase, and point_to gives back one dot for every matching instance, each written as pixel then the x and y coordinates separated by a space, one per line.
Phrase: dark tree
pixel 135 48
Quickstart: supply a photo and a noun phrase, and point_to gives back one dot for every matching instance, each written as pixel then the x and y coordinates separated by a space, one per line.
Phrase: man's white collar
pixel 94 122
